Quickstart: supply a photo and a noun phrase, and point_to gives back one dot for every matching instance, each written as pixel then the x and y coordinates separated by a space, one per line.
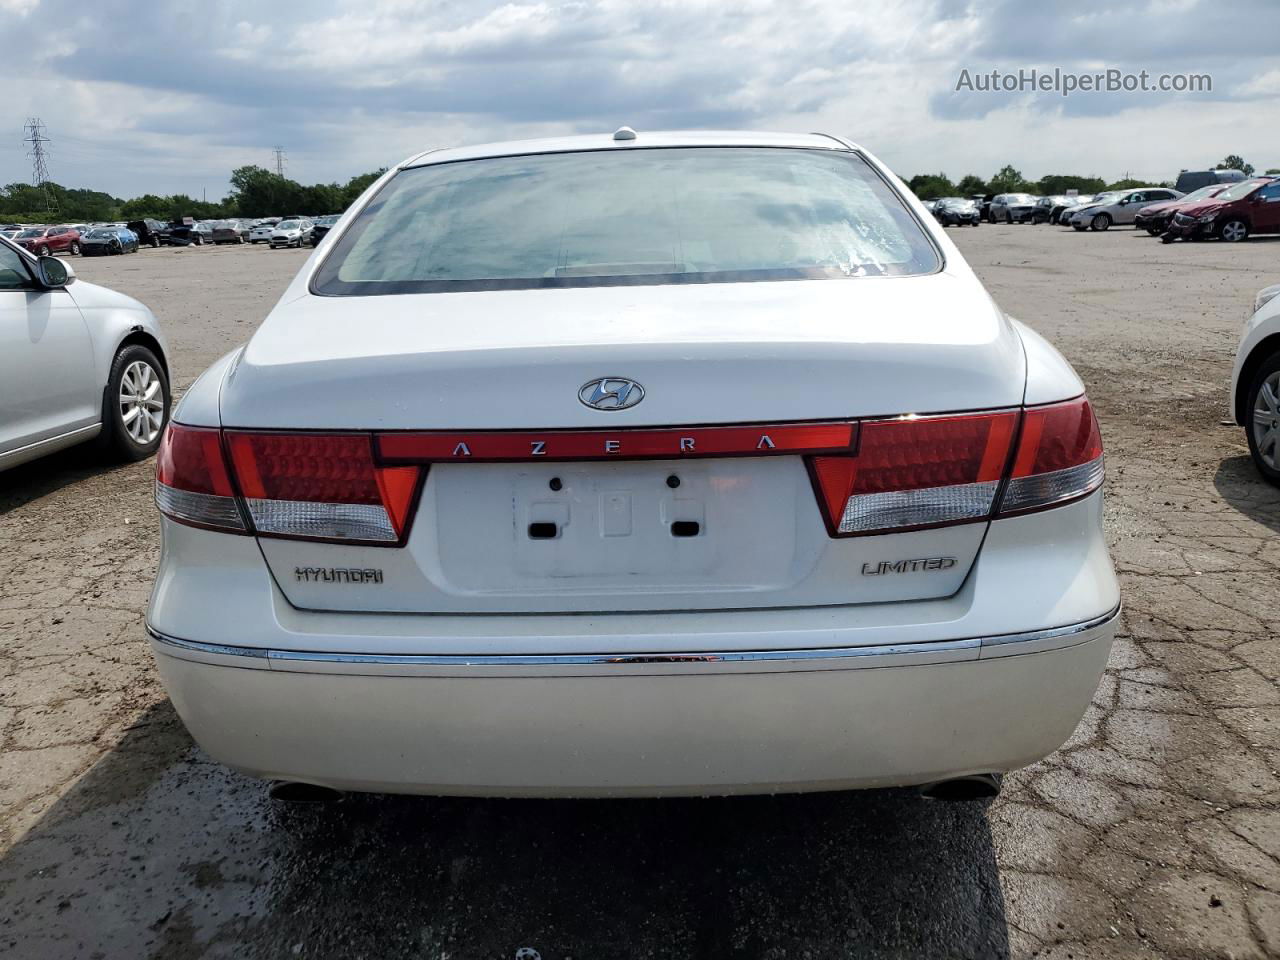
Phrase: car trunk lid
pixel 665 531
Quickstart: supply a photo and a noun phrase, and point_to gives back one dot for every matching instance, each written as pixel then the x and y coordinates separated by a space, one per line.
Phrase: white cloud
pixel 161 97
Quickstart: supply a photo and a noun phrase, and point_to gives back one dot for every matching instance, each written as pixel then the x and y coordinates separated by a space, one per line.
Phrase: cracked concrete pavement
pixel 1154 832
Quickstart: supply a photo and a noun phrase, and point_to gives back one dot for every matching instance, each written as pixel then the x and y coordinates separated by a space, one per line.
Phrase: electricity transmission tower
pixel 280 158
pixel 34 130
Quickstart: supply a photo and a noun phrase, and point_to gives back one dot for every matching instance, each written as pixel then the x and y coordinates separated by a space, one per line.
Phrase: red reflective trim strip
pixel 1028 446
pixel 398 487
pixel 618 444
pixel 997 453
pixel 834 477
pixel 190 459
pixel 1056 437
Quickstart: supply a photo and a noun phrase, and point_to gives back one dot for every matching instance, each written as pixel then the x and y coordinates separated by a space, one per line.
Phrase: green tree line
pixel 931 186
pixel 255 192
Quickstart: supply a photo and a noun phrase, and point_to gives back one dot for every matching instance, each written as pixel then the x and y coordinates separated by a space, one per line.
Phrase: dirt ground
pixel 1155 832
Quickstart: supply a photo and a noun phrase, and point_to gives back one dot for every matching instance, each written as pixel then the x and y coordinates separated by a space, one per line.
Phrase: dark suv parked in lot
pixel 1243 209
pixel 1189 180
pixel 194 234
pixel 150 233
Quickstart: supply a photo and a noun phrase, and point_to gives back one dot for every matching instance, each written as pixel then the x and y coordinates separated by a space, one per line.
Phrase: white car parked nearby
pixel 291 233
pixel 78 362
pixel 1118 206
pixel 651 464
pixel 261 232
pixel 1255 383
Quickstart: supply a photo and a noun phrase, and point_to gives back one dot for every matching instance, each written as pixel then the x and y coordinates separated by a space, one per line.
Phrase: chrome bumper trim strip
pixel 905 653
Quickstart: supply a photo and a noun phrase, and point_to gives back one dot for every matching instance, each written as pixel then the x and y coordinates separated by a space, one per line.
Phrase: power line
pixel 34 130
pixel 280 160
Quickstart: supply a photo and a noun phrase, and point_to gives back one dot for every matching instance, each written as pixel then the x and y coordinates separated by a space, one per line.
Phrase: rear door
pixel 47 381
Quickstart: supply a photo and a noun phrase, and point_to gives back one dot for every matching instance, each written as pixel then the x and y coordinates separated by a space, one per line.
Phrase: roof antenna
pixel 624 133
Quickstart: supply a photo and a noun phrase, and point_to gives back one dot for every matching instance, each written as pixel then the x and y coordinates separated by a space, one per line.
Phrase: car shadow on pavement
pixel 159 852
pixel 29 482
pixel 1239 484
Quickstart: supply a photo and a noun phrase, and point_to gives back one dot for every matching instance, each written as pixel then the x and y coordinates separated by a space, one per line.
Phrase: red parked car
pixel 1243 209
pixel 43 241
pixel 1154 217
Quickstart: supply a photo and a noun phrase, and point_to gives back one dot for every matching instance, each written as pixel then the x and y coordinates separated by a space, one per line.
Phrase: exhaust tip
pixel 293 791
pixel 974 786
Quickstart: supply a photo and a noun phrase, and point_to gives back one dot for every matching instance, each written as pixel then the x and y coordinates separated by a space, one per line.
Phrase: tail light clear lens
pixel 321 486
pixel 1059 457
pixel 192 482
pixel 916 472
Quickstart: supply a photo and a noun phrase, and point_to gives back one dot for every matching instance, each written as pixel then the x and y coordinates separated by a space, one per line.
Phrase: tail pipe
pixel 973 786
pixel 294 791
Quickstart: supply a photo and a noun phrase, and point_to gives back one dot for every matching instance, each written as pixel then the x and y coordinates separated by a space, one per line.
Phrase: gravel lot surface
pixel 1155 832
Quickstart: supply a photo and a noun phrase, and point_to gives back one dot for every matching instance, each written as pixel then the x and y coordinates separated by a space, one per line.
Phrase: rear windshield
pixel 634 216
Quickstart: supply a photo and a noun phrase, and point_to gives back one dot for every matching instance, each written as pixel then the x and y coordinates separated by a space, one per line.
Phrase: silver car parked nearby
pixel 1011 208
pixel 78 362
pixel 1118 207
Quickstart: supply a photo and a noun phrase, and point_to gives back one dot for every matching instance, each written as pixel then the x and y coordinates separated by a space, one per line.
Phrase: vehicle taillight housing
pixel 312 486
pixel 875 477
pixel 912 473
pixel 193 485
pixel 321 486
pixel 1059 457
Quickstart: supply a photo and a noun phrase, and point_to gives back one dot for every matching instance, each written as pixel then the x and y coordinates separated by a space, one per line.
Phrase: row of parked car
pixel 86 239
pixel 295 231
pixel 89 239
pixel 1232 211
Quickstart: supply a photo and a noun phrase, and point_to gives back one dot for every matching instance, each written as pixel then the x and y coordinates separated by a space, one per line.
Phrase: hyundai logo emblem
pixel 611 393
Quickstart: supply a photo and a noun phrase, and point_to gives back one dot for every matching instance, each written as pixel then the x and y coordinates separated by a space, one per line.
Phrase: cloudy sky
pixel 169 96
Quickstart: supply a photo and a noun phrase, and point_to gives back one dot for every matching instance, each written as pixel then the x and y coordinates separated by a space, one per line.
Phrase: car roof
pixel 643 138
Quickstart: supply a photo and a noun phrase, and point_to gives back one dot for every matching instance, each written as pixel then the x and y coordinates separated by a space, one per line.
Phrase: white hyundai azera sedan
pixel 643 464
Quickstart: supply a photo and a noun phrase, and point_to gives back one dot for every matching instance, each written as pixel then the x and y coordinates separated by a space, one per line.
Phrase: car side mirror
pixel 54 274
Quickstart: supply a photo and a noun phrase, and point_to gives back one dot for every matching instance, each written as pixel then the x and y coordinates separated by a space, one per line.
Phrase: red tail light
pixel 916 472
pixel 321 486
pixel 1059 457
pixel 906 473
pixel 192 482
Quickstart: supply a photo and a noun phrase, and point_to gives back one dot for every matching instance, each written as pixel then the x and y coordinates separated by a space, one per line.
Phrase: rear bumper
pixel 991 678
pixel 747 722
